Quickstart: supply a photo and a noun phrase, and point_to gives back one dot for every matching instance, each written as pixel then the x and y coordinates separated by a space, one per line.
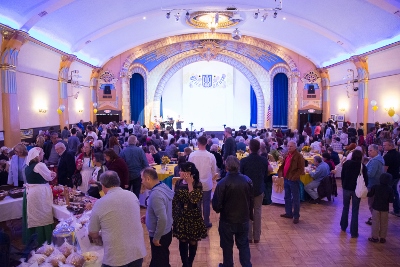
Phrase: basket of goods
pixel 76 207
pixel 165 160
pixel 16 192
pixel 3 194
pixel 306 149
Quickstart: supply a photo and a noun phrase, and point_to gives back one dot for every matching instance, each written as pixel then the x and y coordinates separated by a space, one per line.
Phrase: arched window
pixel 280 97
pixel 137 97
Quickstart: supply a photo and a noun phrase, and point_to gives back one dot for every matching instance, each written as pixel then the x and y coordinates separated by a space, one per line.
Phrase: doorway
pixel 312 118
pixel 106 118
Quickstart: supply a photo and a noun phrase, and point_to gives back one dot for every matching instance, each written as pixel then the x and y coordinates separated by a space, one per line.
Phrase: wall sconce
pixel 80 111
pixel 342 109
pixel 42 110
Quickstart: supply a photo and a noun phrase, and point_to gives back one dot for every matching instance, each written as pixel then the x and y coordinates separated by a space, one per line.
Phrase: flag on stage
pixel 269 113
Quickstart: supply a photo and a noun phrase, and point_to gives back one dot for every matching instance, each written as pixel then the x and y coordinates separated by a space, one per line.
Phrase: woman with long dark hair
pixel 350 171
pixel 188 226
pixel 117 164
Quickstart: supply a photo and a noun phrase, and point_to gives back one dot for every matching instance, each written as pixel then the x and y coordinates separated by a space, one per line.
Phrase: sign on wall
pixel 311 91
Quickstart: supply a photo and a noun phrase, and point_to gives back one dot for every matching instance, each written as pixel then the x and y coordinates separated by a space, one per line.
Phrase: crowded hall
pixel 199 133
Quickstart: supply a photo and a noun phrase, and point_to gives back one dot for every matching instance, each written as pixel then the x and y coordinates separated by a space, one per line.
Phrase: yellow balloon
pixel 391 112
pixel 375 108
pixel 59 111
pixel 95 111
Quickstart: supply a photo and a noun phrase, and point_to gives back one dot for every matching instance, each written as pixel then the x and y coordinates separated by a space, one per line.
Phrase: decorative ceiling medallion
pixel 209 50
pixel 311 77
pixel 211 20
pixel 107 77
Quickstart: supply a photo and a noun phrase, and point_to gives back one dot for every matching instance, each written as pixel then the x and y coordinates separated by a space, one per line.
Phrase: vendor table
pixel 10 208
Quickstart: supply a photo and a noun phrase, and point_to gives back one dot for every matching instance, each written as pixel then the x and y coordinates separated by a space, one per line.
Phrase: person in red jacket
pixel 117 164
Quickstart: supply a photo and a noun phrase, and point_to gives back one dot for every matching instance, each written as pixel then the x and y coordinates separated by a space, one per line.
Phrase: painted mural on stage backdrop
pixel 208 81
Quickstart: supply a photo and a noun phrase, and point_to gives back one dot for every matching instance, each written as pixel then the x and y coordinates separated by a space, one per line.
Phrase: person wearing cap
pixel 37 210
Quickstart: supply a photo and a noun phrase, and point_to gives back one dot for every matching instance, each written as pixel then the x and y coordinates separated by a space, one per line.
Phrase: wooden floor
pixel 316 241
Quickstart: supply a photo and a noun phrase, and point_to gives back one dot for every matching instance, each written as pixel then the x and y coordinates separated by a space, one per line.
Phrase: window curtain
pixel 280 97
pixel 137 97
pixel 161 108
pixel 253 108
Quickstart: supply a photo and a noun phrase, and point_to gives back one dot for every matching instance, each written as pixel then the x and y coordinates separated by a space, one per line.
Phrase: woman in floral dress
pixel 188 226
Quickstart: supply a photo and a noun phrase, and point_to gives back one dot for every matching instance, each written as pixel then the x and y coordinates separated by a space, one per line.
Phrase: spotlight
pixel 177 17
pixel 275 14
pixel 187 15
pixel 168 15
pixel 236 35
pixel 264 17
pixel 256 15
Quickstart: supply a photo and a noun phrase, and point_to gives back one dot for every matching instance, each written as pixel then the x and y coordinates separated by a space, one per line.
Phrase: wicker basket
pixel 16 192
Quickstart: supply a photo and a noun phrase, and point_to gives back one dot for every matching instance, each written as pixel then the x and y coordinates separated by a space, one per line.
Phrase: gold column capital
pixel 66 61
pixel 95 73
pixel 324 73
pixel 361 62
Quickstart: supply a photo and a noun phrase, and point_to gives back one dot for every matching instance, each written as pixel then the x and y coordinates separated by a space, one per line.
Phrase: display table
pixel 10 208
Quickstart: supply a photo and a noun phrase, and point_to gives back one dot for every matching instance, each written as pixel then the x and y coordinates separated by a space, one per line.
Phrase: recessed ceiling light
pixel 284 18
pixel 144 17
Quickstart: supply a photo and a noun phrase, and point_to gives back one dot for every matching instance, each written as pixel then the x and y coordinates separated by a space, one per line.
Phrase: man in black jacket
pixel 230 144
pixel 66 165
pixel 233 198
pixel 392 166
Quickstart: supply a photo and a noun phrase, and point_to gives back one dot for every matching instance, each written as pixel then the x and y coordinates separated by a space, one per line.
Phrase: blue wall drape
pixel 280 92
pixel 161 108
pixel 137 97
pixel 253 108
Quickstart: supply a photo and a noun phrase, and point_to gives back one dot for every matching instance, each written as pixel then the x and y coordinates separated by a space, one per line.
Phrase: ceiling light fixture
pixel 168 15
pixel 264 17
pixel 275 14
pixel 187 15
pixel 256 14
pixel 236 35
pixel 177 17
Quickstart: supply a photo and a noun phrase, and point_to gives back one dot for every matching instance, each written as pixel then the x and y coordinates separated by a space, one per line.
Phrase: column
pixel 293 103
pixel 325 84
pixel 363 76
pixel 125 83
pixel 11 45
pixel 63 75
pixel 94 78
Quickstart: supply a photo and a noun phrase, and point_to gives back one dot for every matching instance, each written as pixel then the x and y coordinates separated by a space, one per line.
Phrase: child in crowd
pixel 383 195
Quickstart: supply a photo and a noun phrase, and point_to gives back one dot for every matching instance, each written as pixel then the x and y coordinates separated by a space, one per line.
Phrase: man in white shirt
pixel 206 164
pixel 214 139
pixel 91 133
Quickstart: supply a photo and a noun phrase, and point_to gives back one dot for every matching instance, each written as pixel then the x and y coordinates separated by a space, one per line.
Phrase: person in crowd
pixel 37 210
pixel 206 164
pixel 114 144
pixel 182 145
pixel 316 146
pixel 229 145
pixel 79 150
pixel 158 218
pixel 3 172
pixel 291 169
pixel 73 142
pixel 214 139
pixel 66 165
pixel 241 145
pixel 16 174
pixel 350 171
pixel 117 164
pixel 352 132
pixel 91 133
pixel 308 129
pixel 326 157
pixel 188 224
pixel 177 168
pixel 320 172
pixel 370 138
pixel 84 164
pixel 233 199
pixel 81 126
pixel 187 152
pixel 40 140
pixel 117 216
pixel 209 144
pixel 218 157
pixel 98 146
pixel 352 145
pixel 255 167
pixel 171 150
pixel 99 168
pixel 148 154
pixel 65 133
pixel 375 167
pixel 344 137
pixel 50 155
pixel 336 145
pixel 317 131
pixel 360 133
pixel 155 154
pixel 136 161
pixel 392 165
pixel 334 155
pixel 382 195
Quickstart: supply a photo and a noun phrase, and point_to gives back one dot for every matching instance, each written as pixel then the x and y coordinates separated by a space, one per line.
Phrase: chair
pixel 174 180
pixel 325 188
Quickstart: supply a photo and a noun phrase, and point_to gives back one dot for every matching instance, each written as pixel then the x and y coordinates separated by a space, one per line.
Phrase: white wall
pixel 232 109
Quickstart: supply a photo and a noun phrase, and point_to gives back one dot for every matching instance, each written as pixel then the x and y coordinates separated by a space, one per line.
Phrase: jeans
pixel 226 233
pixel 292 197
pixel 135 185
pixel 206 207
pixel 396 204
pixel 311 189
pixel 136 263
pixel 160 255
pixel 355 205
pixel 255 226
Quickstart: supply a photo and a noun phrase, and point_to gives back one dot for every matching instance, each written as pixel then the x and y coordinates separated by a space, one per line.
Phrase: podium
pixel 179 125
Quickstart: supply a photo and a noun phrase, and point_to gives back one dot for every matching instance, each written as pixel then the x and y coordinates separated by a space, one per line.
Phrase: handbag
pixel 361 189
pixel 77 179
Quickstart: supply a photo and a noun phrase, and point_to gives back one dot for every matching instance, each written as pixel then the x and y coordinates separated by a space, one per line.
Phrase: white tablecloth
pixel 10 208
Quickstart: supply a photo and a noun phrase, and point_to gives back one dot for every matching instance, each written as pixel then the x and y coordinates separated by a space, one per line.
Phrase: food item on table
pixel 88 206
pixel 45 249
pixel 39 258
pixel 75 259
pixel 55 258
pixel 66 249
pixel 90 257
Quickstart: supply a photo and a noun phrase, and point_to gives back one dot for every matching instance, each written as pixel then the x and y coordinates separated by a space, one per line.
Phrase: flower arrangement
pixel 306 149
pixel 165 160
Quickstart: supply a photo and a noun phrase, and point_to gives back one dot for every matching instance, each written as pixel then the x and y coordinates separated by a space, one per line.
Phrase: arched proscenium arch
pixel 221 58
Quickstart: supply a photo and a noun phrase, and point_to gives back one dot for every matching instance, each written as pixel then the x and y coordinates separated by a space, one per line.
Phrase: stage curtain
pixel 253 108
pixel 137 98
pixel 280 96
pixel 161 108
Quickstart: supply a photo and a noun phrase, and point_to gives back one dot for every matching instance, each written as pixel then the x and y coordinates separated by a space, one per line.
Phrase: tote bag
pixel 361 189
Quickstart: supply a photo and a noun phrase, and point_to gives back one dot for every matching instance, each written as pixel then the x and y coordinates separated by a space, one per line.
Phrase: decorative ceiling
pixel 324 31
